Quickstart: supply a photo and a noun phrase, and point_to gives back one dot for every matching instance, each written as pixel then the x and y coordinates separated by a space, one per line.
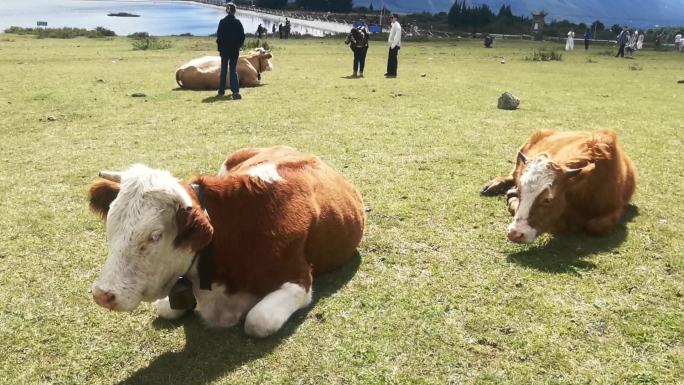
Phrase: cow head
pixel 153 231
pixel 260 59
pixel 541 193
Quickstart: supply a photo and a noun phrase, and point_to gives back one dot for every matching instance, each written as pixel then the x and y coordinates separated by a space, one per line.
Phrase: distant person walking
pixel 570 42
pixel 587 37
pixel 274 30
pixel 230 36
pixel 622 39
pixel 678 41
pixel 358 42
pixel 631 45
pixel 394 42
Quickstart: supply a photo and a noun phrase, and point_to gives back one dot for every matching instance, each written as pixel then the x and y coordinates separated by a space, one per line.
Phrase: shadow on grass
pixel 210 353
pixel 351 77
pixel 564 254
pixel 217 98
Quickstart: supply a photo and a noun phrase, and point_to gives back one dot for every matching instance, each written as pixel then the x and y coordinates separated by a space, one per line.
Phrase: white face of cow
pixel 534 192
pixel 541 190
pixel 144 258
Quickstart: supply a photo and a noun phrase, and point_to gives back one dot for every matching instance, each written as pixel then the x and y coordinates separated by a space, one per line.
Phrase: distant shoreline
pixel 327 26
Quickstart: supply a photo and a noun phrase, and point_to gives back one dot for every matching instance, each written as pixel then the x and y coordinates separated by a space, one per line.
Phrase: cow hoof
pixel 164 309
pixel 512 193
pixel 496 186
pixel 513 203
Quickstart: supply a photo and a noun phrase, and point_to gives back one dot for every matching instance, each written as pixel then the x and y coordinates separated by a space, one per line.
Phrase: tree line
pixel 461 17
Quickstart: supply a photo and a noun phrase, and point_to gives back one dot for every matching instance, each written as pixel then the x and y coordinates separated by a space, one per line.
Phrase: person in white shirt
pixel 570 42
pixel 640 41
pixel 394 42
pixel 678 42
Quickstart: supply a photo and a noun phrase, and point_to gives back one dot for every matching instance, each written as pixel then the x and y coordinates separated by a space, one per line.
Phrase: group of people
pixel 283 31
pixel 629 42
pixel 357 39
pixel 570 42
pixel 230 36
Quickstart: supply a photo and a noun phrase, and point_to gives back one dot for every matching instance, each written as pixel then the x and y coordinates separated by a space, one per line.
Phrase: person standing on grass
pixel 678 41
pixel 640 41
pixel 630 47
pixel 570 42
pixel 358 42
pixel 587 37
pixel 622 41
pixel 394 42
pixel 230 36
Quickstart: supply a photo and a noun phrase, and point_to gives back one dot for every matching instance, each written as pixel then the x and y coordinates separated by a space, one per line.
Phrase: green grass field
pixel 438 295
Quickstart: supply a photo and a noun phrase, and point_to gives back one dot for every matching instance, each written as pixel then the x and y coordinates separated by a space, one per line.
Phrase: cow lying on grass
pixel 270 219
pixel 565 182
pixel 202 73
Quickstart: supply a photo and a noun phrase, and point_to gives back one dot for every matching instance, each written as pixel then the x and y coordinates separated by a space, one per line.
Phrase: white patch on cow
pixel 164 309
pixel 536 178
pixel 266 172
pixel 202 62
pixel 269 315
pixel 223 170
pixel 143 261
pixel 221 309
pixel 268 66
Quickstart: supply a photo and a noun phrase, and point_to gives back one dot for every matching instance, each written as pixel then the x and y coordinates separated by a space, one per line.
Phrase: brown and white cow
pixel 565 182
pixel 202 73
pixel 274 216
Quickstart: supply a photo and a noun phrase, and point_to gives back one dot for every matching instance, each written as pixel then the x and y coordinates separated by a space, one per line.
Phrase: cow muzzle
pixel 519 231
pixel 105 298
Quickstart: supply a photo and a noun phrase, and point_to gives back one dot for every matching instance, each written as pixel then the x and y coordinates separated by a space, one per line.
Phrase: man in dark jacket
pixel 587 37
pixel 229 37
pixel 622 41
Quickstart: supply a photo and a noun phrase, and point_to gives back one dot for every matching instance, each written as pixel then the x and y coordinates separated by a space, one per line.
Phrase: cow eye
pixel 547 201
pixel 154 237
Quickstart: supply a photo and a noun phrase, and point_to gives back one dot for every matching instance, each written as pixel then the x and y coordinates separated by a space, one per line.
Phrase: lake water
pixel 156 17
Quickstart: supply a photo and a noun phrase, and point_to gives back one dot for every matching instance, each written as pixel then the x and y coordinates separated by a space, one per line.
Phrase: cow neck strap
pixel 259 70
pixel 204 264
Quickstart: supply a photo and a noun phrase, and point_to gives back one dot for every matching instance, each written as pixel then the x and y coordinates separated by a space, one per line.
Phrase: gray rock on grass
pixel 508 101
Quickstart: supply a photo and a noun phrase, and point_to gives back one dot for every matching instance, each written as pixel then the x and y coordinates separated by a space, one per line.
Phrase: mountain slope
pixel 632 13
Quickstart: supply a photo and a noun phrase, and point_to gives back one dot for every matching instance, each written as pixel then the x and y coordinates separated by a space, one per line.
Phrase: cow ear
pixel 101 195
pixel 603 151
pixel 194 229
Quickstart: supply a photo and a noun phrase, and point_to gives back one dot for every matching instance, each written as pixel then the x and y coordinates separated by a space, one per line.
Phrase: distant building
pixel 538 25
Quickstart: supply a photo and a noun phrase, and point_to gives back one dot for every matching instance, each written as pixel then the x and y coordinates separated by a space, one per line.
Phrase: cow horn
pixel 572 172
pixel 522 157
pixel 114 176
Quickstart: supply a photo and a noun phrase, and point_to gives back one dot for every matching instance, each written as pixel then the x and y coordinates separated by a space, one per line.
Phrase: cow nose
pixel 515 236
pixel 104 298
